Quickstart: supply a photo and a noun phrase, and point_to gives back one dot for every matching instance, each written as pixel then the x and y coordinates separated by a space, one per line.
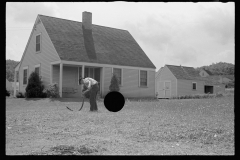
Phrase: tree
pixel 34 87
pixel 220 68
pixel 114 86
pixel 10 66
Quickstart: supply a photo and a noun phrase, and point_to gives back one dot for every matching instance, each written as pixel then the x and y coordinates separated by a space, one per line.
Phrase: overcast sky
pixel 187 34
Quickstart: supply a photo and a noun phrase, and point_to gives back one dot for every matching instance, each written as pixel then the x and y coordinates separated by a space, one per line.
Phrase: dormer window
pixel 38 43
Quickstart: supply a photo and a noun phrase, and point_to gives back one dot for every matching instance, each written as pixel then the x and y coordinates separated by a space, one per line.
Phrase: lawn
pixel 164 127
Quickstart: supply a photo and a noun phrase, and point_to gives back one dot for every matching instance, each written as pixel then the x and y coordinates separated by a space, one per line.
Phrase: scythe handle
pixel 82 104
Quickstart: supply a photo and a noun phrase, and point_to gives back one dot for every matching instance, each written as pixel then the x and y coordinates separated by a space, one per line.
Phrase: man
pixel 92 87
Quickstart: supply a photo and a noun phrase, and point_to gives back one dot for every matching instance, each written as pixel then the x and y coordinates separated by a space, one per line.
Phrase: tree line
pixel 221 68
pixel 10 66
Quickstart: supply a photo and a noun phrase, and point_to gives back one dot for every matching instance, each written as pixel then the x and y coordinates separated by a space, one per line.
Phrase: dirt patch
pixel 69 150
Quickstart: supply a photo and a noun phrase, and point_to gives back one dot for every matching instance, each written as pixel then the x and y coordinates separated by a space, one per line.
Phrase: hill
pixel 10 66
pixel 221 68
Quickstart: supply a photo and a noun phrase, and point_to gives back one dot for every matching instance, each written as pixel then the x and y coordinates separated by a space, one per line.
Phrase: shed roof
pixel 189 73
pixel 102 45
pixel 231 77
pixel 182 72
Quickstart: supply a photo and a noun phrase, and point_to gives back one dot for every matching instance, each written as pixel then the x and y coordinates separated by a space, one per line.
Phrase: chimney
pixel 87 20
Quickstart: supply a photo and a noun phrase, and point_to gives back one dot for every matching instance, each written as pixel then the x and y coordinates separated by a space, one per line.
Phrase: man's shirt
pixel 89 82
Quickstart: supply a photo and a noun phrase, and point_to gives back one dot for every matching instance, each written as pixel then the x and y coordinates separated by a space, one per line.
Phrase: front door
pixel 160 89
pixel 167 89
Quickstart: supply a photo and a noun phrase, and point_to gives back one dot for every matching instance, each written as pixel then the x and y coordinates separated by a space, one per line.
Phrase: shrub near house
pixel 35 87
pixel 114 86
pixel 7 93
pixel 52 91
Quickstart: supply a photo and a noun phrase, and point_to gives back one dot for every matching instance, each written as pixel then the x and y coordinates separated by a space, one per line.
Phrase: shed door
pixel 167 89
pixel 160 89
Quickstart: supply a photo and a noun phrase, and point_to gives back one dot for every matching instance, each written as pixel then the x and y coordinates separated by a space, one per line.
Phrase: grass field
pixel 164 127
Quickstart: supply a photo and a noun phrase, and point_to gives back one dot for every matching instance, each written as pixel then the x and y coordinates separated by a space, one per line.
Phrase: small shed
pixel 181 80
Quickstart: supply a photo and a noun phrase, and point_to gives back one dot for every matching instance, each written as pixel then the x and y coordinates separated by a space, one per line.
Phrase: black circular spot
pixel 114 101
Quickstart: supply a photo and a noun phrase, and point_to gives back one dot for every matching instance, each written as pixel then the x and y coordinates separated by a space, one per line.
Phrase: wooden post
pixel 60 79
pixel 14 92
pixel 83 68
pixel 102 81
pixel 51 73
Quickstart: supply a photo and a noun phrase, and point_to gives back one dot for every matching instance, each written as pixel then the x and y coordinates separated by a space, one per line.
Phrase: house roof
pixel 17 65
pixel 208 72
pixel 103 45
pixel 231 77
pixel 189 73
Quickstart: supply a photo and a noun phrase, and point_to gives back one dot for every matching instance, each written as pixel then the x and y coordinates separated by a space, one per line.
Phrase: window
pixel 37 70
pixel 25 76
pixel 38 41
pixel 118 73
pixel 143 78
pixel 194 86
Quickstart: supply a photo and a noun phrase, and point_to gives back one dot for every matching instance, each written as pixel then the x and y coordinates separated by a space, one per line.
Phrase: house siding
pixel 130 86
pixel 185 87
pixel 55 74
pixel 31 58
pixel 203 73
pixel 107 79
pixel 166 75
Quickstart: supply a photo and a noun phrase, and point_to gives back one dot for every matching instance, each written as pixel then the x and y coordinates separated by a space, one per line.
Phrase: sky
pixel 173 33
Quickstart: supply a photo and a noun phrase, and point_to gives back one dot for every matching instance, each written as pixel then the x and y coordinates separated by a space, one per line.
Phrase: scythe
pixel 79 108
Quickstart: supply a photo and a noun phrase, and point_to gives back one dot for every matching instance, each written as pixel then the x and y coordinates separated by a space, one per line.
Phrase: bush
pixel 114 86
pixel 219 95
pixel 52 91
pixel 230 84
pixel 201 96
pixel 34 87
pixel 7 93
pixel 205 96
pixel 20 95
pixel 11 92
